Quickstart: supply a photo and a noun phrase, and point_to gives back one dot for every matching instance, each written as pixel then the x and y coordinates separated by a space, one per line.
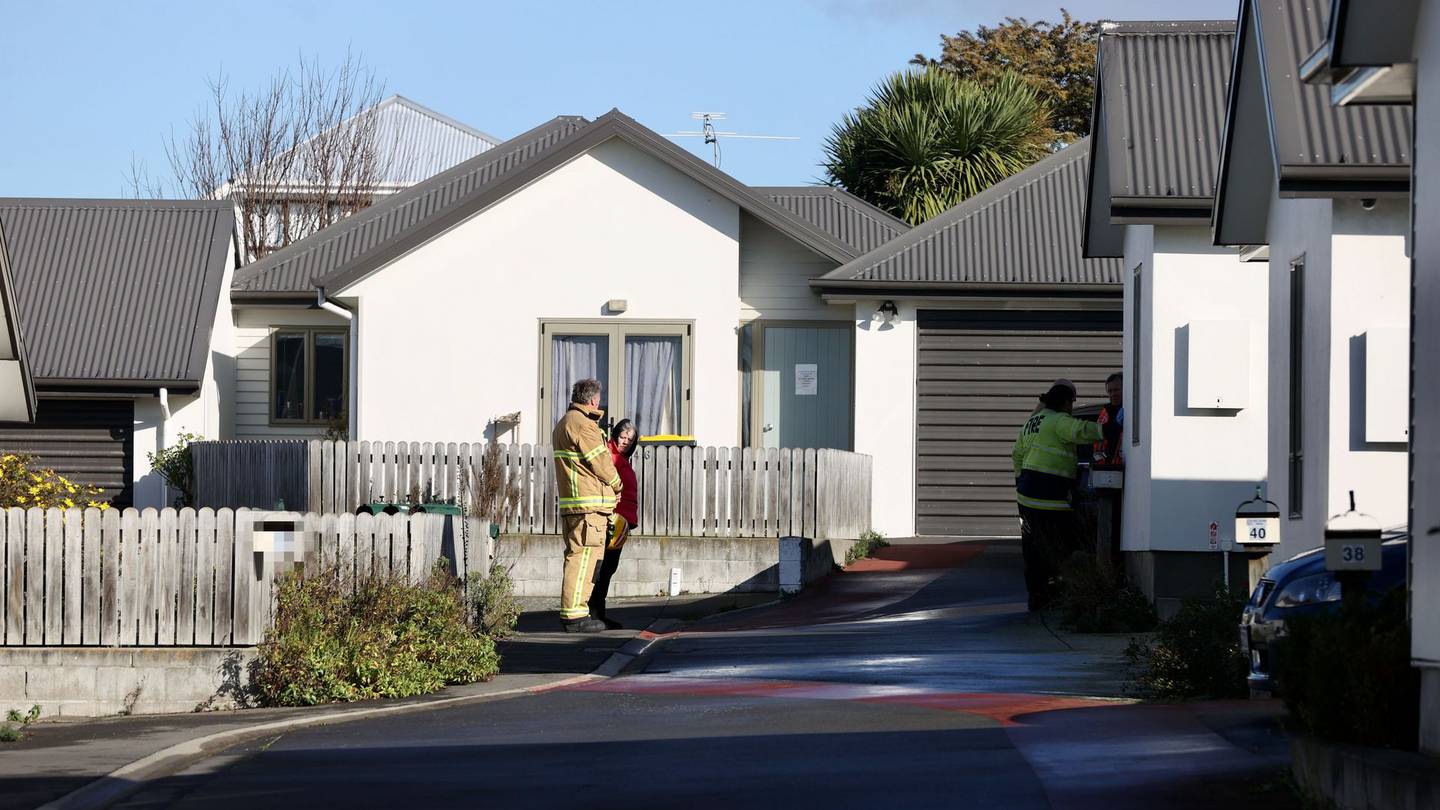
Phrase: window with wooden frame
pixel 309 375
pixel 644 369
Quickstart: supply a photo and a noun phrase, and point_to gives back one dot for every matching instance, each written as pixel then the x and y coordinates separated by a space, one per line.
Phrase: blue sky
pixel 87 85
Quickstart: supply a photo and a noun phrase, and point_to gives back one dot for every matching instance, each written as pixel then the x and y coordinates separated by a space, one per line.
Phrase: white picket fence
pixel 188 577
pixel 684 491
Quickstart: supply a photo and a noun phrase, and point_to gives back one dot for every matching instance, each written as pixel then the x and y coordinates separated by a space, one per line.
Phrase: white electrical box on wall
pixel 1218 358
pixel 1387 385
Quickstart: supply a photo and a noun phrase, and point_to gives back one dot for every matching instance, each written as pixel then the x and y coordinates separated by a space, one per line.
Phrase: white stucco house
pixel 1324 189
pixel 1388 53
pixel 1196 315
pixel 465 306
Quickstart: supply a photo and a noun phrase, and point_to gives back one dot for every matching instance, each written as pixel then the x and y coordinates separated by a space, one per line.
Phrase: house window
pixel 1133 406
pixel 1297 393
pixel 643 368
pixel 309 376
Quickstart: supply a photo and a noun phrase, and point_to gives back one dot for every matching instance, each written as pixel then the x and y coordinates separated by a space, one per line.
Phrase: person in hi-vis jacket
pixel 587 483
pixel 1045 468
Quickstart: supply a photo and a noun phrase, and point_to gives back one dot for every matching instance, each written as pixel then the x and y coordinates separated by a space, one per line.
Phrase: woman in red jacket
pixel 625 519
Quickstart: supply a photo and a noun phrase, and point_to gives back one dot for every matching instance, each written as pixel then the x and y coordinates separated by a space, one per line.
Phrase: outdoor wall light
pixel 888 313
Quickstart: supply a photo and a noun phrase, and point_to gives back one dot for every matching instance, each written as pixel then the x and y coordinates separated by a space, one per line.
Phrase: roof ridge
pixel 1163 27
pixel 138 203
pixel 398 99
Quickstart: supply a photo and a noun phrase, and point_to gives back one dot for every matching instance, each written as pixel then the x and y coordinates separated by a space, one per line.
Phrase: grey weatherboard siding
pixel 117 292
pixel 1024 232
pixel 978 378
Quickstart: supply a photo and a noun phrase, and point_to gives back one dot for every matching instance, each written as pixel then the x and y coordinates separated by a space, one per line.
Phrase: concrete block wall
pixel 707 564
pixel 93 682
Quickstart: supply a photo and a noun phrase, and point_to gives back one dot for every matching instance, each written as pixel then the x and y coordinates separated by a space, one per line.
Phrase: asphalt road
pixel 917 682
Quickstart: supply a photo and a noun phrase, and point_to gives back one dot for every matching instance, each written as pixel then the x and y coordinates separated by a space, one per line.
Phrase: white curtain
pixel 652 384
pixel 574 358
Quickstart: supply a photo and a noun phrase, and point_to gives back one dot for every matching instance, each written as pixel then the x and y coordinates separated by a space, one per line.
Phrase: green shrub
pixel 865 546
pixel 176 465
pixel 1195 654
pixel 1096 599
pixel 389 638
pixel 13 729
pixel 494 607
pixel 1346 676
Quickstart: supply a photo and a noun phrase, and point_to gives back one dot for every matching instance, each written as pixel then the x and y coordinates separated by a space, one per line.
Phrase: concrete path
pixel 915 680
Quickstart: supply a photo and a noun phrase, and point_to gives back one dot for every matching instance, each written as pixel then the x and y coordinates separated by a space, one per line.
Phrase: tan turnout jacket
pixel 586 477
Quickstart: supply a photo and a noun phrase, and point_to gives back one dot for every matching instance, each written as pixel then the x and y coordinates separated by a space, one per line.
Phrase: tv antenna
pixel 712 135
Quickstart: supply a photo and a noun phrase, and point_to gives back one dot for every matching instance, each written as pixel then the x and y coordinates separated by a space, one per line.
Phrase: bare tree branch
pixel 295 156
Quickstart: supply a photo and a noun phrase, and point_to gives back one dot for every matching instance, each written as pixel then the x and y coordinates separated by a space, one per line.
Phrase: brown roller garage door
pixel 978 376
pixel 87 441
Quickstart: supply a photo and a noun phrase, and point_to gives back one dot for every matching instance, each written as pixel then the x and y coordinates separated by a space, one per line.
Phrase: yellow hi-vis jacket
pixel 1044 458
pixel 584 474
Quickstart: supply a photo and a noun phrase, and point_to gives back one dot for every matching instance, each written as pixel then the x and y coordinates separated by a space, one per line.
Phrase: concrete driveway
pixel 913 680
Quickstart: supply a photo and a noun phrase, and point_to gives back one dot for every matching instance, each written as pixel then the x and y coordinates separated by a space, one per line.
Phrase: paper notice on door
pixel 807 379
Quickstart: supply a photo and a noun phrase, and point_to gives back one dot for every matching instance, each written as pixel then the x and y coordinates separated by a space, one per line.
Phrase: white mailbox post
pixel 1352 542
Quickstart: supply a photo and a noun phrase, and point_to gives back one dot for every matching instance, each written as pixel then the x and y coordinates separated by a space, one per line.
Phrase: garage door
pixel 979 375
pixel 87 441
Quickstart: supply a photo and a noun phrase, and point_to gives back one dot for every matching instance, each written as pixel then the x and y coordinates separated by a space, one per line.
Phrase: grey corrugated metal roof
pixel 1309 130
pixel 423 141
pixel 1161 92
pixel 839 213
pixel 296 267
pixel 346 251
pixel 1315 148
pixel 1025 231
pixel 117 291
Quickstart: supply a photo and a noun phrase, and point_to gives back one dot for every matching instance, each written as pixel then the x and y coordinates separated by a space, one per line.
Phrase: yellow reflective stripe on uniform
pixel 613 481
pixel 593 453
pixel 1042 503
pixel 580 581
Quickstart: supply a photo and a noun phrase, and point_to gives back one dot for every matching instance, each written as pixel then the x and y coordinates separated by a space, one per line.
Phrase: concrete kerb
pixel 128 779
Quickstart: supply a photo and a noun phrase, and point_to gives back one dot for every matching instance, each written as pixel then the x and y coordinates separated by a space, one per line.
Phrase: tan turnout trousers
pixel 584 549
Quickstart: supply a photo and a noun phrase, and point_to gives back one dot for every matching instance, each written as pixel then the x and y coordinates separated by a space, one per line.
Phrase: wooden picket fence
pixel 186 577
pixel 685 491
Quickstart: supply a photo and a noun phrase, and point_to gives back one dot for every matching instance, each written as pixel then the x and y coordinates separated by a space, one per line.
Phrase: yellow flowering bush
pixel 25 487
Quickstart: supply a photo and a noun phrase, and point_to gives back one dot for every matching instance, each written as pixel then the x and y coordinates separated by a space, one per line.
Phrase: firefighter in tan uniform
pixel 588 485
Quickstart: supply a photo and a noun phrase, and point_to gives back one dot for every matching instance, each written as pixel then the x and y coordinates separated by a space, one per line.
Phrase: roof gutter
pixel 876 287
pixel 89 383
pixel 353 373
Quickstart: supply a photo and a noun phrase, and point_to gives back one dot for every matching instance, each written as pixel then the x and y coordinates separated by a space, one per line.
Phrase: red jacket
pixel 629 505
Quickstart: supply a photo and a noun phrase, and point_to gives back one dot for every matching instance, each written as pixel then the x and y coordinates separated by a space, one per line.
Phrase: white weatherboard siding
pixel 253 327
pixel 885 413
pixel 1202 462
pixel 458 318
pixel 1425 430
pixel 1356 279
pixel 775 273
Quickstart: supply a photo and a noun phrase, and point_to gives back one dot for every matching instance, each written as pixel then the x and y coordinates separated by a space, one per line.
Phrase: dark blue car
pixel 1297 587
